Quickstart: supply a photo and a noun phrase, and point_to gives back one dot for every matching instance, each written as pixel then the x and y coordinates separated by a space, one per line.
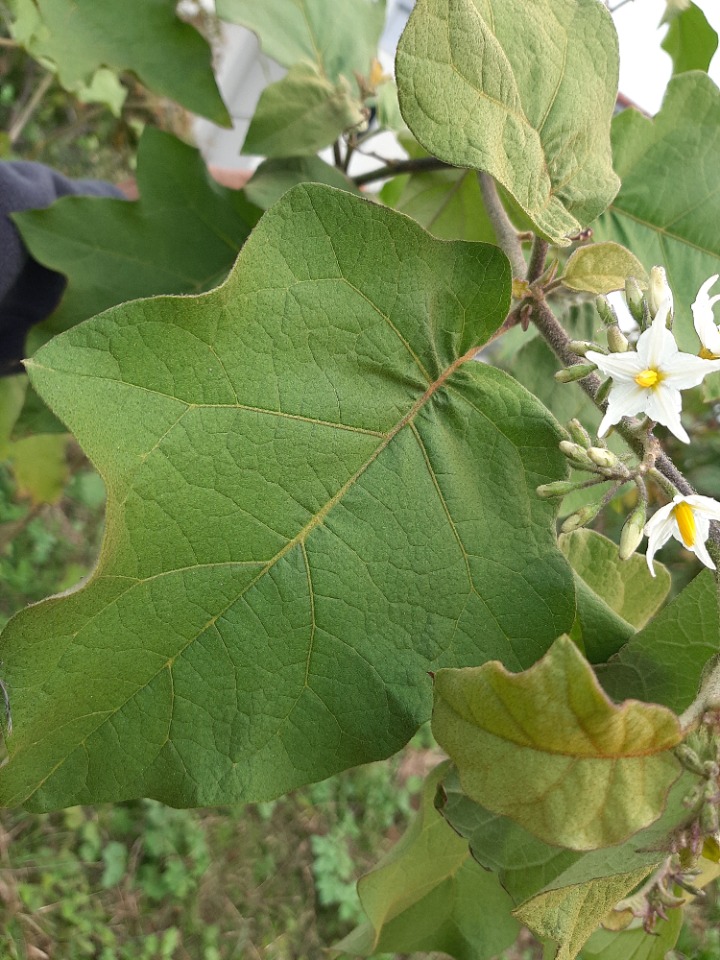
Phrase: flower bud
pixel 634 298
pixel 603 457
pixel 560 488
pixel 605 311
pixel 659 291
pixel 581 347
pixel 603 390
pixel 580 518
pixel 579 434
pixel 617 341
pixel 575 453
pixel 576 372
pixel 632 532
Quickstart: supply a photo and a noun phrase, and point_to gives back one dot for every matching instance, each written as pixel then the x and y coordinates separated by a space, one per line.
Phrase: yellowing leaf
pixel 602 268
pixel 548 749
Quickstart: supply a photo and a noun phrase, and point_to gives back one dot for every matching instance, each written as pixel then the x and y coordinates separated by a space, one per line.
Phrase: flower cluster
pixel 649 380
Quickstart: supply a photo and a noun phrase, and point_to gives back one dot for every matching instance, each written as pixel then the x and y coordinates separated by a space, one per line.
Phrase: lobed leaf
pixel 690 40
pixel 528 745
pixel 145 36
pixel 312 30
pixel 182 236
pixel 471 92
pixel 312 502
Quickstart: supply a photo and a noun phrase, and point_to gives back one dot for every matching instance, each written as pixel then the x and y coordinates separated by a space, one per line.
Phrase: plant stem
pixel 538 256
pixel 17 127
pixel 707 699
pixel 392 168
pixel 337 156
pixel 505 232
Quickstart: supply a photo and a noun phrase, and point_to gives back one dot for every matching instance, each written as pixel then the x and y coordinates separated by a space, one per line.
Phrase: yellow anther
pixel 686 522
pixel 706 354
pixel 648 378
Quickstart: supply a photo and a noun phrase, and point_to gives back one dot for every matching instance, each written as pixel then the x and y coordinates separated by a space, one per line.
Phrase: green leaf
pixel 635 944
pixel 145 36
pixel 625 585
pixel 527 746
pixel 668 207
pixel 448 203
pixel 690 40
pixel 182 236
pixel 311 500
pixel 526 866
pixel 40 467
pixel 428 894
pixel 273 178
pixel 472 92
pixel 12 398
pixel 301 113
pixel 602 268
pixel 568 917
pixel 664 662
pixel 313 30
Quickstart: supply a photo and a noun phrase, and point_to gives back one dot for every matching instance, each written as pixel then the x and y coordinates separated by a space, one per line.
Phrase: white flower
pixel 688 520
pixel 649 379
pixel 705 321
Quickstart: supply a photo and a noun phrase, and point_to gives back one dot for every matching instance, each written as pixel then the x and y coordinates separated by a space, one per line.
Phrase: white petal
pixel 664 407
pixel 685 370
pixel 700 551
pixel 659 528
pixel 705 288
pixel 623 367
pixel 625 400
pixel 657 345
pixel 704 506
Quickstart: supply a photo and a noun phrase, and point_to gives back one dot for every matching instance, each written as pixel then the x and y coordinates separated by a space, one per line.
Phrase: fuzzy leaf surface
pixel 145 36
pixel 301 113
pixel 312 502
pixel 668 207
pixel 273 178
pixel 428 893
pixel 602 268
pixel 312 30
pixel 528 745
pixel 635 944
pixel 664 662
pixel 182 236
pixel 472 94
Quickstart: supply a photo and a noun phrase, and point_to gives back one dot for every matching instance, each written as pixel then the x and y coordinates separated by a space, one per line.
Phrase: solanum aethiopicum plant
pixel 327 521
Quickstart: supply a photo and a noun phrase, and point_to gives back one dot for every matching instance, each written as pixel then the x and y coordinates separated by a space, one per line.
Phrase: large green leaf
pixel 668 207
pixel 664 662
pixel 312 502
pixel 301 113
pixel 547 748
pixel 635 944
pixel 690 40
pixel 473 94
pixel 273 178
pixel 145 36
pixel 315 30
pixel 428 893
pixel 182 236
pixel 527 866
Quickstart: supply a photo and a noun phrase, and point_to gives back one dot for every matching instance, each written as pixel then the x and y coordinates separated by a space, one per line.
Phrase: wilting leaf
pixel 312 502
pixel 528 745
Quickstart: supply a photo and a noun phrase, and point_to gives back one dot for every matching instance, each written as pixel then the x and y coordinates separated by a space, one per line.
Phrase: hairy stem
pixel 505 232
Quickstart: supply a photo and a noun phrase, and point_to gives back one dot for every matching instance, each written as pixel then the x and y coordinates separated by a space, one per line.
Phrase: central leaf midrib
pixel 299 538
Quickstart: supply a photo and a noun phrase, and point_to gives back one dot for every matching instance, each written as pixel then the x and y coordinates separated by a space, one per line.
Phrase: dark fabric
pixel 30 292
